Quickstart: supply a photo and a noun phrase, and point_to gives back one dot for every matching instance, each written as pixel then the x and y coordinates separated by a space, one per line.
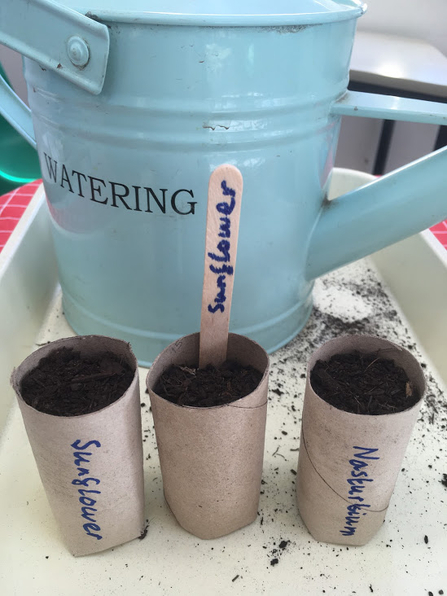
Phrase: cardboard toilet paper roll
pixel 211 457
pixel 91 465
pixel 348 463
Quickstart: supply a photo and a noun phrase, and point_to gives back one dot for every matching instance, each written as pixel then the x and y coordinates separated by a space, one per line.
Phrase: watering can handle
pixel 77 47
pixel 388 107
pixel 16 112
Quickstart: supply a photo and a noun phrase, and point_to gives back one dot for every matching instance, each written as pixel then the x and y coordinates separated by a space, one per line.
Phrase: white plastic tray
pixel 275 555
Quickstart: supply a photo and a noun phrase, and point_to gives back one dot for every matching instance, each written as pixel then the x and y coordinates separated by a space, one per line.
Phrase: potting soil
pixel 209 386
pixel 363 384
pixel 65 383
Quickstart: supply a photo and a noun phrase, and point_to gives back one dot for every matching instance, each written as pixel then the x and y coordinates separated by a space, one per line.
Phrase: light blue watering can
pixel 135 103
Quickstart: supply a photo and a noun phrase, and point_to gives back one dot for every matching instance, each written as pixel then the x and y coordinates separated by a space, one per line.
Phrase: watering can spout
pixel 384 211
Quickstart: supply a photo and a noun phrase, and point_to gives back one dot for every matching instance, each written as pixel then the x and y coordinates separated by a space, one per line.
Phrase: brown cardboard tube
pixel 348 463
pixel 91 465
pixel 211 458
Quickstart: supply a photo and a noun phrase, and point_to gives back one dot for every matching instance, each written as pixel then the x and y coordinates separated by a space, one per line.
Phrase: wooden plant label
pixel 222 228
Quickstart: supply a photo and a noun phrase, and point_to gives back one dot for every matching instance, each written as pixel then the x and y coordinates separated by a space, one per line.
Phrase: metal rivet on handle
pixel 78 51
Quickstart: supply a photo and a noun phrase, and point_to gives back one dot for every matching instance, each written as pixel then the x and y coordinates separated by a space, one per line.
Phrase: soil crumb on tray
pixel 67 384
pixel 209 386
pixel 363 384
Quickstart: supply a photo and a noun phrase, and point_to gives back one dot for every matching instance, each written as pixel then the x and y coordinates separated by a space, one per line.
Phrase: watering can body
pixel 126 170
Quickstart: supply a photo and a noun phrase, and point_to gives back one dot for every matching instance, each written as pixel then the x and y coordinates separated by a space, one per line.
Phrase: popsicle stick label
pixel 222 229
pixel 358 482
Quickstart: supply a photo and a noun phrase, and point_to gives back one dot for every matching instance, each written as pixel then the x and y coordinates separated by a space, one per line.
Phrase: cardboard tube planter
pixel 211 457
pixel 91 465
pixel 348 463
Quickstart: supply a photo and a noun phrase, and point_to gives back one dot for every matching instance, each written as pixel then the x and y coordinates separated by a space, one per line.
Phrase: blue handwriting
pixel 87 501
pixel 222 254
pixel 358 481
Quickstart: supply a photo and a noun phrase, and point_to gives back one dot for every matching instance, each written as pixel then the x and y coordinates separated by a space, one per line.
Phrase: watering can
pixel 134 104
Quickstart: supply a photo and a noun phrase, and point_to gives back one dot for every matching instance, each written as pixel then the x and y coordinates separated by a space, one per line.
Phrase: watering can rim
pixel 228 13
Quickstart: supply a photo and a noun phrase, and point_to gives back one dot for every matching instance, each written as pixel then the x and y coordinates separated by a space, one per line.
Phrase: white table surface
pixel 274 556
pixel 399 62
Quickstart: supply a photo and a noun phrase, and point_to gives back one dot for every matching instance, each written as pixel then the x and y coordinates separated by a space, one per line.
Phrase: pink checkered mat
pixel 13 204
pixel 12 207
